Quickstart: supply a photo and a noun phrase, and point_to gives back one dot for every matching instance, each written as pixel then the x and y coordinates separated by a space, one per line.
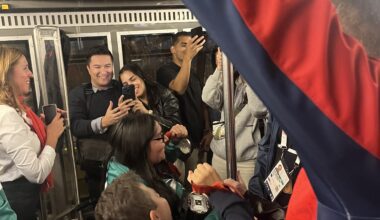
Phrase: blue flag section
pixel 320 85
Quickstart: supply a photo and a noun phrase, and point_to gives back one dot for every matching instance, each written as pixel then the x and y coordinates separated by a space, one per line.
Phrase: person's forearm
pixel 181 81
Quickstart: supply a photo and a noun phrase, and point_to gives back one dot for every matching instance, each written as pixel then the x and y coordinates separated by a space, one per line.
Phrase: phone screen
pixel 49 111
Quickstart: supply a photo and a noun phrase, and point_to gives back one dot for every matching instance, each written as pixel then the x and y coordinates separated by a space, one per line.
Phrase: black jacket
pixel 165 107
pixel 85 105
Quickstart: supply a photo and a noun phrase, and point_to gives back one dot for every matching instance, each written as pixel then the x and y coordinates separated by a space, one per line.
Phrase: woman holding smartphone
pixel 151 98
pixel 27 146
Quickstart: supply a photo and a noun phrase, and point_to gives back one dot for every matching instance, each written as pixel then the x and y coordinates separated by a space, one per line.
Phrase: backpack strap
pixel 87 90
pixel 261 126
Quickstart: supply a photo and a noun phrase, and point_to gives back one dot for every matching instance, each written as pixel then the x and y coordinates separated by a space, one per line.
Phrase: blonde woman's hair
pixel 8 58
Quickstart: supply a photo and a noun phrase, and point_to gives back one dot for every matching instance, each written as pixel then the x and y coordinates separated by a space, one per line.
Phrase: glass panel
pixel 61 199
pixel 23 45
pixel 52 77
pixel 62 195
pixel 76 71
pixel 150 51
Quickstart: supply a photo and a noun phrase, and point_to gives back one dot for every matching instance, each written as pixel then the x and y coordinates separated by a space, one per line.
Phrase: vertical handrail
pixel 229 119
pixel 41 35
pixel 70 145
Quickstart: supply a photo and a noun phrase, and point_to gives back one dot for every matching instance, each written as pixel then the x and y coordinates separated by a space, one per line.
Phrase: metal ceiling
pixel 67 5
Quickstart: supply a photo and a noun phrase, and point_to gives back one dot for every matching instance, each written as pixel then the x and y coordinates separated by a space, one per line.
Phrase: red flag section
pixel 331 68
pixel 320 85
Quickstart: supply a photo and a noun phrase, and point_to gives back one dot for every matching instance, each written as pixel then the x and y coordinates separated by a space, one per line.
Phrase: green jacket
pixel 115 169
pixel 6 212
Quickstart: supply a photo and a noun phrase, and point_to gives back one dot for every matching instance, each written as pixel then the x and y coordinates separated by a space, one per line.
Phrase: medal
pixel 198 203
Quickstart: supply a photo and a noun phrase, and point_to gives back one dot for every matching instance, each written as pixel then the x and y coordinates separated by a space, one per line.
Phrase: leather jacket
pixel 166 108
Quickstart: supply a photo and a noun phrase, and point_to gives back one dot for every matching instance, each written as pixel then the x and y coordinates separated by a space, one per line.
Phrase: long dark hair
pixel 130 140
pixel 153 91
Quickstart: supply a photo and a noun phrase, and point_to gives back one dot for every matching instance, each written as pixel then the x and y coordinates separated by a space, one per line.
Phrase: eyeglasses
pixel 162 138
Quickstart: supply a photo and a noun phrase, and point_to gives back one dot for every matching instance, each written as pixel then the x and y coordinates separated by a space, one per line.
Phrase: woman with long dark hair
pixel 138 144
pixel 151 98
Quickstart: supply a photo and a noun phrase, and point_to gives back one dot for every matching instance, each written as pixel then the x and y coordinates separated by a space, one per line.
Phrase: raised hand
pixel 204 175
pixel 113 116
pixel 193 46
pixel 178 131
pixel 218 59
pixel 125 104
pixel 54 130
pixel 138 106
pixel 238 187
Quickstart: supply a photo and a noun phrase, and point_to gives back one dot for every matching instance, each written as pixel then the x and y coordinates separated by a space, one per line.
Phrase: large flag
pixel 318 82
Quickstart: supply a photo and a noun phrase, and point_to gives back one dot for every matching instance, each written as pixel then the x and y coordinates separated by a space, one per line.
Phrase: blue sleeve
pixel 230 206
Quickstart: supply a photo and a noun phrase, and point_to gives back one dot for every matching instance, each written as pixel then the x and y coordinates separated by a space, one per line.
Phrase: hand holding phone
pixel 196 31
pixel 129 92
pixel 49 111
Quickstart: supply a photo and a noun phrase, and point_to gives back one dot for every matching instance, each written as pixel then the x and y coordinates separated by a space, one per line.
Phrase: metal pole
pixel 65 166
pixel 229 119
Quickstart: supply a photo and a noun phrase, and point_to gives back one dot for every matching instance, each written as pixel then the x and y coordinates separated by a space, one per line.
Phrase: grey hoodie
pixel 247 133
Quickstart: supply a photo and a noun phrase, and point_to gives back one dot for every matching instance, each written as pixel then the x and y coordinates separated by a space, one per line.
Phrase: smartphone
pixel 197 31
pixel 129 92
pixel 49 111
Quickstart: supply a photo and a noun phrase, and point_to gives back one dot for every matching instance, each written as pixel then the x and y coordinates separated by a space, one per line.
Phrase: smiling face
pixel 157 145
pixel 101 71
pixel 20 77
pixel 128 77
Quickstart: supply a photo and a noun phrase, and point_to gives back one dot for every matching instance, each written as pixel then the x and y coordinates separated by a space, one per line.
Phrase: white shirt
pixel 20 150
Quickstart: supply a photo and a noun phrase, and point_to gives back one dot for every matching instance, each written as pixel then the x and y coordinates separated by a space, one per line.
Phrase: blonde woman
pixel 27 146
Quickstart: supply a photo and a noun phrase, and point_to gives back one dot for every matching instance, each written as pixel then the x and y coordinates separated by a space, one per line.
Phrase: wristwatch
pixel 150 112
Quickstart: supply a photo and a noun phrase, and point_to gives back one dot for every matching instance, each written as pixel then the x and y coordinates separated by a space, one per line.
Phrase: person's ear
pixel 153 214
pixel 88 68
pixel 172 50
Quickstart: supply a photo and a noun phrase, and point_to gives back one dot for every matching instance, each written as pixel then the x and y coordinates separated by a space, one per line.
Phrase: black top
pixel 83 111
pixel 165 106
pixel 190 103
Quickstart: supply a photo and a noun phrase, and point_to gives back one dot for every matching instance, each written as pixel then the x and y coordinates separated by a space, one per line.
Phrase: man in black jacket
pixel 94 107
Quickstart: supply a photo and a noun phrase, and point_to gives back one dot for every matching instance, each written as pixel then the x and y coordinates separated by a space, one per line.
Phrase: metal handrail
pixel 228 91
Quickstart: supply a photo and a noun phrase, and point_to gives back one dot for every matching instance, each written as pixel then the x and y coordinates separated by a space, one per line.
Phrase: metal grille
pixel 95 18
